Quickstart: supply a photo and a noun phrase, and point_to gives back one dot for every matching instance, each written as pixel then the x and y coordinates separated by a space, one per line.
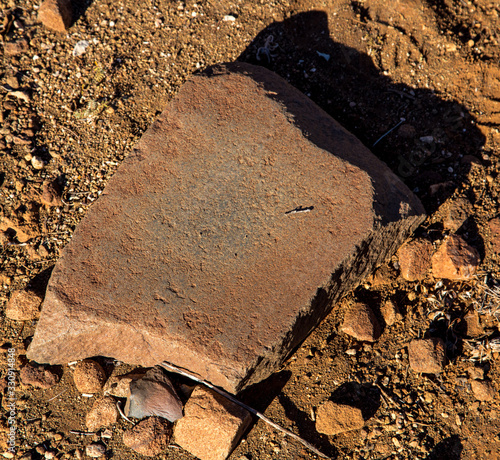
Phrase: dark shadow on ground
pixel 448 449
pixel 348 86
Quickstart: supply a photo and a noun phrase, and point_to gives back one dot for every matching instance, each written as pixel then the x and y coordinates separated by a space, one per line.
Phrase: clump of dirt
pixel 418 82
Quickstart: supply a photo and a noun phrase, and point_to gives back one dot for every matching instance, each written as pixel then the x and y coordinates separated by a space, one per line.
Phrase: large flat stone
pixel 195 252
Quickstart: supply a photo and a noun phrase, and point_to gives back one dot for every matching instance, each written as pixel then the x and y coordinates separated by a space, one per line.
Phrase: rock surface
pixel 56 14
pixel 455 259
pixel 38 376
pixel 494 227
pixel 89 376
pixel 333 418
pixel 153 394
pixel 426 355
pixel 483 390
pixel 103 413
pixel 212 425
pixel 244 213
pixel 149 437
pixel 361 323
pixel 390 312
pixel 95 450
pixel 415 259
pixel 23 305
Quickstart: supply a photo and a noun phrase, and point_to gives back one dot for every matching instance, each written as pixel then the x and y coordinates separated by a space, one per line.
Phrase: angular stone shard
pixel 244 213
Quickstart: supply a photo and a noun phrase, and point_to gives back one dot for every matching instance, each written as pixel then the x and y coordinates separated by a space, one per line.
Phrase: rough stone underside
pixel 195 252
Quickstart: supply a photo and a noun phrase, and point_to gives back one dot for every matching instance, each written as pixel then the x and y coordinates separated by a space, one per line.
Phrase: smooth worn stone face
pixel 223 239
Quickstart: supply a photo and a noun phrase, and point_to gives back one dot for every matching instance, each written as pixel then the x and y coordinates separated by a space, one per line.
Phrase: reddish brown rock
pixel 15 48
pixel 415 259
pixel 212 425
pixel 51 194
pixel 103 413
pixel 333 418
pixel 455 259
pixel 483 390
pixel 361 323
pixel 494 227
pixel 426 355
pixel 455 213
pixel 390 312
pixel 38 376
pixel 89 376
pixel 244 213
pixel 56 14
pixel 150 437
pixel 23 305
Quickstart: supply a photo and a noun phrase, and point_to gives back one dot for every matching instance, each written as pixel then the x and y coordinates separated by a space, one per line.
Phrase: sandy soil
pixel 370 64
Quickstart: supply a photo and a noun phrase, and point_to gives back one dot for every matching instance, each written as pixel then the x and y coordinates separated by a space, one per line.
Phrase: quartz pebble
pixel 89 376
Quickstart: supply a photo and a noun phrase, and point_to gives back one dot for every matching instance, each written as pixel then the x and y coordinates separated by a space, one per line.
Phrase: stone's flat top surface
pixel 210 243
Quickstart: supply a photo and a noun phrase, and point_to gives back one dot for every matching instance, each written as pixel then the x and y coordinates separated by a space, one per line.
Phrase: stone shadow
pixel 348 86
pixel 448 449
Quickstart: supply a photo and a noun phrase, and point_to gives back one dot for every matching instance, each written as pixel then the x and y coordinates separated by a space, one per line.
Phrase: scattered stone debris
pixel 426 355
pixel 95 450
pixel 23 305
pixel 333 418
pixel 149 437
pixel 153 394
pixel 212 425
pixel 103 413
pixel 119 385
pixel 455 259
pixel 483 390
pixel 89 376
pixel 415 259
pixel 390 312
pixel 38 376
pixel 56 14
pixel 361 323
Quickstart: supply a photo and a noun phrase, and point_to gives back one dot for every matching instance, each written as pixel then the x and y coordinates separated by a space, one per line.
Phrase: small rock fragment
pixel 102 414
pixel 15 48
pixel 212 425
pixel 381 277
pixel 23 305
pixel 153 394
pixel 472 324
pixel 37 163
pixel 415 259
pixel 390 313
pixel 56 14
pixel 333 418
pixel 426 355
pixel 456 213
pixel 149 437
pixel 476 373
pixel 89 376
pixel 119 385
pixel 51 194
pixel 38 376
pixel 95 450
pixel 483 390
pixel 494 226
pixel 455 259
pixel 361 323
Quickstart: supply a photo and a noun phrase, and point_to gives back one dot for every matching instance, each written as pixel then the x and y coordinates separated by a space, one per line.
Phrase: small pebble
pixel 89 376
pixel 361 323
pixel 426 355
pixel 103 413
pixel 95 450
pixel 37 163
pixel 149 437
pixel 38 376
